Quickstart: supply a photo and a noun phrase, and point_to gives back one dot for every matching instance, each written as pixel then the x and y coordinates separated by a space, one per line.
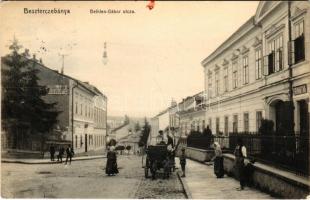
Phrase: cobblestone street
pixel 85 179
pixel 160 188
pixel 81 179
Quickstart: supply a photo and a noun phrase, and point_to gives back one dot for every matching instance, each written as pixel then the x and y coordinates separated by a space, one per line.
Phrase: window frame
pixel 225 79
pixel 258 63
pixel 235 123
pixel 301 35
pixel 258 121
pixel 217 82
pixel 235 74
pixel 246 121
pixel 245 69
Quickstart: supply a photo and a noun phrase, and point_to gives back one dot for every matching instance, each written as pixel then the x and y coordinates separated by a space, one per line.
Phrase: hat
pixel 216 144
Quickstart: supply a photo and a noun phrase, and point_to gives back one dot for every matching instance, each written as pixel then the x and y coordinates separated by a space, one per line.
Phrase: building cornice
pixel 240 33
pixel 297 13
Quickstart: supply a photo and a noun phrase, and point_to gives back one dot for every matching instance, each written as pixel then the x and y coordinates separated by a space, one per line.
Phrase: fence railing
pixel 290 152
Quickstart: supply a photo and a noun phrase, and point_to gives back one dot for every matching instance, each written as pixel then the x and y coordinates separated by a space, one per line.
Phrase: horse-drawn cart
pixel 158 157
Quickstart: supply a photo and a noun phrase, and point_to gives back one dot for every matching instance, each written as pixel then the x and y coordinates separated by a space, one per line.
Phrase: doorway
pixel 283 121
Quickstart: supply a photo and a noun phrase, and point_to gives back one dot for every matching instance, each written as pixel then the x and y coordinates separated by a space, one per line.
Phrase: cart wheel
pixel 146 172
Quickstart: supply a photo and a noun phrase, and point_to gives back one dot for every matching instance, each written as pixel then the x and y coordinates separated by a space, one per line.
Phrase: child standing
pixel 183 161
pixel 166 167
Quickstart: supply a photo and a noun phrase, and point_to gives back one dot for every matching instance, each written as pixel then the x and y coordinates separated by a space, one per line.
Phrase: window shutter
pixel 265 69
pixel 302 48
pixel 280 59
pixel 291 53
pixel 277 63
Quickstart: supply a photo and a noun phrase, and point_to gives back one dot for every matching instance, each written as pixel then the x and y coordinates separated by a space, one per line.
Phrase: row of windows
pixel 92 140
pixel 198 125
pixel 99 116
pixel 173 121
pixel 235 121
pixel 269 64
pixel 88 111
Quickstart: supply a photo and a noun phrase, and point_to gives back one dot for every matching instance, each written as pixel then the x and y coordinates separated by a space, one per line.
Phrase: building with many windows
pixel 261 70
pixel 89 117
pixel 82 117
pixel 191 111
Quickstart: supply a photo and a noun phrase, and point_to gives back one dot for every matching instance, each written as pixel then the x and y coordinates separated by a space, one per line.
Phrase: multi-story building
pixel 191 113
pixel 154 130
pixel 159 122
pixel 83 111
pixel 260 70
pixel 174 121
pixel 89 117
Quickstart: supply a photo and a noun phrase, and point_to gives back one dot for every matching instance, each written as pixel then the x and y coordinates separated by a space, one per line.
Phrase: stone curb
pixel 185 187
pixel 49 162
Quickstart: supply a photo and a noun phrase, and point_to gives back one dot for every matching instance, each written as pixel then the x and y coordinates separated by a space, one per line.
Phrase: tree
pixel 14 83
pixel 41 115
pixel 145 133
pixel 22 96
pixel 126 120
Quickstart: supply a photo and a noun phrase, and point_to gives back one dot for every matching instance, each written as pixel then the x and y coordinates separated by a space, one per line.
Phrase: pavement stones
pixel 203 184
pixel 47 160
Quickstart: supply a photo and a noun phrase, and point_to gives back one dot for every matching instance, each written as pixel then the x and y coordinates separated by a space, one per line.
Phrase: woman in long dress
pixel 111 167
pixel 218 161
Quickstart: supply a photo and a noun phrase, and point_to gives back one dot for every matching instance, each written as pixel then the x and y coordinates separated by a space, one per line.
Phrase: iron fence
pixel 200 141
pixel 289 152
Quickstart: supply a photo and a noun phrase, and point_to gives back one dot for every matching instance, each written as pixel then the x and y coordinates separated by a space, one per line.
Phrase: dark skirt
pixel 218 167
pixel 111 167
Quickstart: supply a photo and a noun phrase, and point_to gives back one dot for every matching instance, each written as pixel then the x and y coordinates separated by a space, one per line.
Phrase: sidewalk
pixel 201 183
pixel 47 160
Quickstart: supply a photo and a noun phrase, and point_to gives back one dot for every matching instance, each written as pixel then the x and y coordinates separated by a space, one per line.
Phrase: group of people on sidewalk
pixel 242 166
pixel 61 151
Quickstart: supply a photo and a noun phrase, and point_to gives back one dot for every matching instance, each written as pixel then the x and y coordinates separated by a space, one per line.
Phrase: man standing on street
pixel 70 153
pixel 60 154
pixel 183 161
pixel 52 152
pixel 240 155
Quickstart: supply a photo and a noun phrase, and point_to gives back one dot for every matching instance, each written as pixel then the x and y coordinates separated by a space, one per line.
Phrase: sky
pixel 154 55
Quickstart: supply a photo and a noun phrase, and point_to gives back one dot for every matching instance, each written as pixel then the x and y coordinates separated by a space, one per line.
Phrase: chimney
pixel 41 62
pixel 34 57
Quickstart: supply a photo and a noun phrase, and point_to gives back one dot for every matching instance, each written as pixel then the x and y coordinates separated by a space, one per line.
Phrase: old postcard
pixel 155 99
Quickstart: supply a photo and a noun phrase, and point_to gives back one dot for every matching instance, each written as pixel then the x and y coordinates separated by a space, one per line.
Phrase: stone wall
pixel 274 181
pixel 196 154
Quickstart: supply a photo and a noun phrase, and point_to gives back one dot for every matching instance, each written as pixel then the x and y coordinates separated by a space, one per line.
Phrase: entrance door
pixel 283 119
pixel 86 142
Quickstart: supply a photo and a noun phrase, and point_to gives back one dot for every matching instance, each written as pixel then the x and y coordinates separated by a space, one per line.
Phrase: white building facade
pixel 192 114
pixel 247 78
pixel 89 111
